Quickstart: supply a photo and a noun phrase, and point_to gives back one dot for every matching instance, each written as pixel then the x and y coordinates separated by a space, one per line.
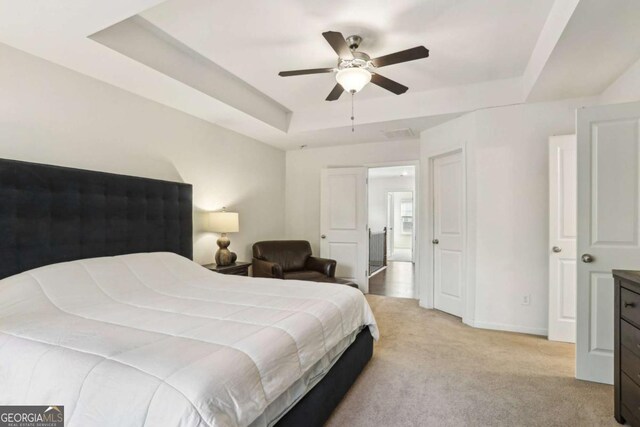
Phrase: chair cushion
pixel 313 276
pixel 290 254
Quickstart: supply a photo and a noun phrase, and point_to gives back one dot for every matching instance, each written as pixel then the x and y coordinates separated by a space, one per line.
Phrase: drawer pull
pixel 629 304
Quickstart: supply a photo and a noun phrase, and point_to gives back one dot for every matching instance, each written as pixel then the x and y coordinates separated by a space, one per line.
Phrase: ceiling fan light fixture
pixel 353 79
pixel 355 69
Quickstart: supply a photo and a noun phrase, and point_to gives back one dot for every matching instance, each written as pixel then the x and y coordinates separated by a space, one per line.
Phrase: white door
pixel 448 229
pixel 390 220
pixel 343 222
pixel 562 237
pixel 608 221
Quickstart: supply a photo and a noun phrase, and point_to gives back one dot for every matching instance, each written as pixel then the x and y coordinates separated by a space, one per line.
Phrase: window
pixel 406 213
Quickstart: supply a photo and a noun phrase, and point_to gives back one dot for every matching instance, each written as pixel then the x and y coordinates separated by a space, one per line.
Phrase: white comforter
pixel 155 339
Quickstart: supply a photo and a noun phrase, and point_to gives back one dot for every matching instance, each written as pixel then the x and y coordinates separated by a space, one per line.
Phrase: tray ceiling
pixel 218 60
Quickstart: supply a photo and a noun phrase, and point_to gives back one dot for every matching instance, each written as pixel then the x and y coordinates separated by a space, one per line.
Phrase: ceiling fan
pixel 355 69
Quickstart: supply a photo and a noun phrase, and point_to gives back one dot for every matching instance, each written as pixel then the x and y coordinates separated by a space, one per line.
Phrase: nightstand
pixel 236 269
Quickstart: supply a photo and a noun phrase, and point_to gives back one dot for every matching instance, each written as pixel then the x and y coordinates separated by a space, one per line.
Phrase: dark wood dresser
pixel 627 346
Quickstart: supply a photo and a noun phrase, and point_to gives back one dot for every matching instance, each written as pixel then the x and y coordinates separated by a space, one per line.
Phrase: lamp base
pixel 223 255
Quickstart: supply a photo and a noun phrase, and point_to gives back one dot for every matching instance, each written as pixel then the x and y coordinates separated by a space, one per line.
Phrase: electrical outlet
pixel 526 299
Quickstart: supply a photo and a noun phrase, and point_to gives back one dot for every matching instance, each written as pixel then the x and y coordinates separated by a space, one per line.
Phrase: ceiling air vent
pixel 405 133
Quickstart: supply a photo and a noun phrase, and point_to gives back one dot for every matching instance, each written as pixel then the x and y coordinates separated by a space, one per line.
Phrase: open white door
pixel 448 233
pixel 608 222
pixel 562 237
pixel 343 222
pixel 390 220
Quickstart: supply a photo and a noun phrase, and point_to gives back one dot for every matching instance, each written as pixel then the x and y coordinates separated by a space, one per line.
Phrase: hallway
pixel 401 254
pixel 394 281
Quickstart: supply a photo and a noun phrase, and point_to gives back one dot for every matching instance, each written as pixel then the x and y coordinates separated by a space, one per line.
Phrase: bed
pixel 103 311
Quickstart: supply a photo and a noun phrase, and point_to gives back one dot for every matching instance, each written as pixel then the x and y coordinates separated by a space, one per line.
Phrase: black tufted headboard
pixel 51 214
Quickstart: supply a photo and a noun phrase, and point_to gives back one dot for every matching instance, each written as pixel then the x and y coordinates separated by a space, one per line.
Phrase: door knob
pixel 587 258
pixel 435 241
pixel 556 249
pixel 323 236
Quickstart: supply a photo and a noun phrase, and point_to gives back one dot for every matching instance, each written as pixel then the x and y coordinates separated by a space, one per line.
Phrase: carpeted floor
pixel 429 369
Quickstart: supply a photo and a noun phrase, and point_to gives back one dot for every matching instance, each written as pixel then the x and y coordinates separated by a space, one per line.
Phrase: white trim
pixel 396 163
pixel 509 328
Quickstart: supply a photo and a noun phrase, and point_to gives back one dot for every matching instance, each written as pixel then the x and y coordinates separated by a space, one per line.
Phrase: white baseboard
pixel 510 328
pixel 422 303
pixel 495 326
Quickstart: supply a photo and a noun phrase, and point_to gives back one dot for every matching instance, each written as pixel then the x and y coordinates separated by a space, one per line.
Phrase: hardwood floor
pixel 400 255
pixel 397 280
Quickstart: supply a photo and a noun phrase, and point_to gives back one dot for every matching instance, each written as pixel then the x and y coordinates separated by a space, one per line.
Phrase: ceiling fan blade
pixel 335 93
pixel 338 43
pixel 402 56
pixel 388 84
pixel 303 72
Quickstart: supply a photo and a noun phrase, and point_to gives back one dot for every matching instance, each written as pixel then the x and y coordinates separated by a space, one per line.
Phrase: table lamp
pixel 224 222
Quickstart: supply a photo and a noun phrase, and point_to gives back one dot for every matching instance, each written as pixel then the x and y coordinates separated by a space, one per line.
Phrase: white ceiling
pixel 218 60
pixel 261 38
pixel 599 42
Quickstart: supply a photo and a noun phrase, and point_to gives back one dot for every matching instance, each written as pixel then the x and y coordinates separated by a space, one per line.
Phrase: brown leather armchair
pixel 290 259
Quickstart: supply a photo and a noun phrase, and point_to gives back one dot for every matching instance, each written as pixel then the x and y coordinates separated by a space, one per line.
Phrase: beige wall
pixel 379 187
pixel 625 88
pixel 506 155
pixel 49 114
pixel 303 179
pixel 401 240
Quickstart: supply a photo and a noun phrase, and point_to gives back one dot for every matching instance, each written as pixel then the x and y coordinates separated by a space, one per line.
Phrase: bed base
pixel 315 408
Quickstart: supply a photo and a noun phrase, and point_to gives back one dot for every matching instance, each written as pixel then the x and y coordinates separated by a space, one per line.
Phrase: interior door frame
pixel 392 192
pixel 416 213
pixel 390 219
pixel 427 292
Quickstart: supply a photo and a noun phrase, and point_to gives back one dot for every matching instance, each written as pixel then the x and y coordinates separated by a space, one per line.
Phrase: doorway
pixel 391 223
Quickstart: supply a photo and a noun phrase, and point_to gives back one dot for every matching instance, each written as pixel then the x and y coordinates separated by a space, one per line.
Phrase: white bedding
pixel 155 339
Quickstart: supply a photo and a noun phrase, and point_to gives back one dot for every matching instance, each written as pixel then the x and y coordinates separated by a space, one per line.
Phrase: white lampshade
pixel 224 222
pixel 353 79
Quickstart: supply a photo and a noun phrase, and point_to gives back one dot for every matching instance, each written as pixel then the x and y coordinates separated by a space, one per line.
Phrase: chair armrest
pixel 323 265
pixel 263 268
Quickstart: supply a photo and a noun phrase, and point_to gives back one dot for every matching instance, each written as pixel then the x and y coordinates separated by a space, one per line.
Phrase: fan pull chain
pixel 353 129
